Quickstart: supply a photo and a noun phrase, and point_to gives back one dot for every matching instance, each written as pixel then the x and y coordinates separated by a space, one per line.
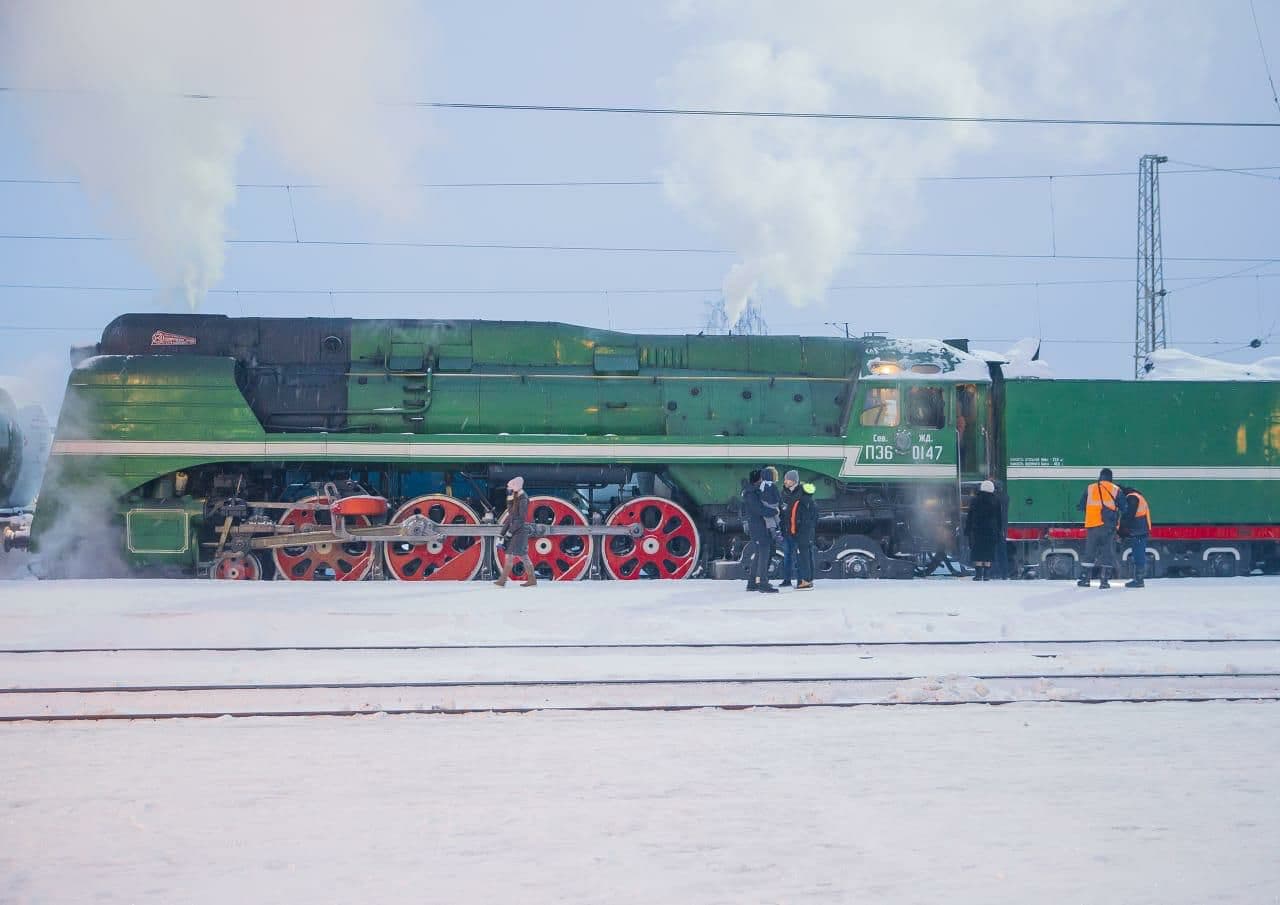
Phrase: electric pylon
pixel 1150 326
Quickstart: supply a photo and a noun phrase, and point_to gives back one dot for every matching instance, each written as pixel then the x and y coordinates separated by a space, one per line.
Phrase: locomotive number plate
pixel 885 452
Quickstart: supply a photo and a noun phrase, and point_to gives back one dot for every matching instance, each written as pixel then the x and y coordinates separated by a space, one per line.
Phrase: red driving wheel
pixel 236 567
pixel 331 560
pixel 452 559
pixel 668 548
pixel 560 557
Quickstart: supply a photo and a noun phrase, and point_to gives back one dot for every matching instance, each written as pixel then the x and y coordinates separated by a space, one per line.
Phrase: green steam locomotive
pixel 340 449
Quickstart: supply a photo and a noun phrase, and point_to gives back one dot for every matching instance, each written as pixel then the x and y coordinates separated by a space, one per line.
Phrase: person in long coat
pixel 982 528
pixel 790 492
pixel 515 535
pixel 755 511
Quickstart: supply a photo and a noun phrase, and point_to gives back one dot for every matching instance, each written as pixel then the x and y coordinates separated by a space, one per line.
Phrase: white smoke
pixel 793 198
pixel 109 85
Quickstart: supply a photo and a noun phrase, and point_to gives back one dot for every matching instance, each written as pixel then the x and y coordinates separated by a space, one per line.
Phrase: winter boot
pixel 1083 581
pixel 506 572
pixel 803 585
pixel 1135 583
pixel 1104 583
pixel 766 588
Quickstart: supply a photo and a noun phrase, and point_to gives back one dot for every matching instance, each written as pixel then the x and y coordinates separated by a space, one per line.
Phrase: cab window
pixel 925 407
pixel 880 408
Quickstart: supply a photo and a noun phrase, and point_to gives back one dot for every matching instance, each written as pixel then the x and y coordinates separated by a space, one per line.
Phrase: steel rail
pixel 613 683
pixel 657 645
pixel 615 708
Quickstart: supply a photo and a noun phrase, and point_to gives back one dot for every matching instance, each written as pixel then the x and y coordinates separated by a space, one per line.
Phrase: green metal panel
pixel 152 531
pixel 901 443
pixel 1200 451
pixel 161 398
pixel 718 353
pixel 616 360
pixel 711 484
pixel 537 344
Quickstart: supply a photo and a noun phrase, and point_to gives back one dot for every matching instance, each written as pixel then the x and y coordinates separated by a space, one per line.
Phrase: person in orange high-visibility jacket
pixel 1100 503
pixel 1135 525
pixel 801 525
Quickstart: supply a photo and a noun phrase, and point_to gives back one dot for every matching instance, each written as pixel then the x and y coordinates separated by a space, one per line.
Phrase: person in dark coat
pixel 515 535
pixel 755 511
pixel 1000 566
pixel 772 498
pixel 790 492
pixel 801 528
pixel 982 528
pixel 1135 528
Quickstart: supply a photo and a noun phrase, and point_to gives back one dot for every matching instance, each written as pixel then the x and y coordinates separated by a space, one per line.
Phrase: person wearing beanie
pixel 759 551
pixel 982 529
pixel 772 498
pixel 802 528
pixel 1100 503
pixel 515 535
pixel 790 491
pixel 1135 527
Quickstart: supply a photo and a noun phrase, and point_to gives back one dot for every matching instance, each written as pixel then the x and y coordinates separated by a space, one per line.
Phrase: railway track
pixel 313 680
pixel 1005 643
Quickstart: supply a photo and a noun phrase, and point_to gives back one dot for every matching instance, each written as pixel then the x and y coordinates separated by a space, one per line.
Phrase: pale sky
pixel 1168 60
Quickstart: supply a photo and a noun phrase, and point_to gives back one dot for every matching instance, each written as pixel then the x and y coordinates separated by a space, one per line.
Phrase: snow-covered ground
pixel 1045 802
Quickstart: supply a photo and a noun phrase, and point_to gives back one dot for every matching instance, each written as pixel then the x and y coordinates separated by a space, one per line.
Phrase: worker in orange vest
pixel 1100 503
pixel 1135 524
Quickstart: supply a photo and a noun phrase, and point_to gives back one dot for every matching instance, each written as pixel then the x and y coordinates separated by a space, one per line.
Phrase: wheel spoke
pixel 560 557
pixel 236 567
pixel 667 548
pixel 329 560
pixel 454 558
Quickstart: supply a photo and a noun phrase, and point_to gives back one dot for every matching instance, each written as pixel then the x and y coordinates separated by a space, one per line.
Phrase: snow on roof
pixel 921 359
pixel 1175 364
pixel 1020 360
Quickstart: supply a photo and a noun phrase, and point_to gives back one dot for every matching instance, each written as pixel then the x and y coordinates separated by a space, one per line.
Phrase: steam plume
pixel 793 198
pixel 110 86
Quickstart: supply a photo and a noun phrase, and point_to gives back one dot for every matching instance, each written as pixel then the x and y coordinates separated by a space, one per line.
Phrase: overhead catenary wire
pixel 1252 172
pixel 715 112
pixel 1191 169
pixel 711 112
pixel 624 290
pixel 1262 48
pixel 640 249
